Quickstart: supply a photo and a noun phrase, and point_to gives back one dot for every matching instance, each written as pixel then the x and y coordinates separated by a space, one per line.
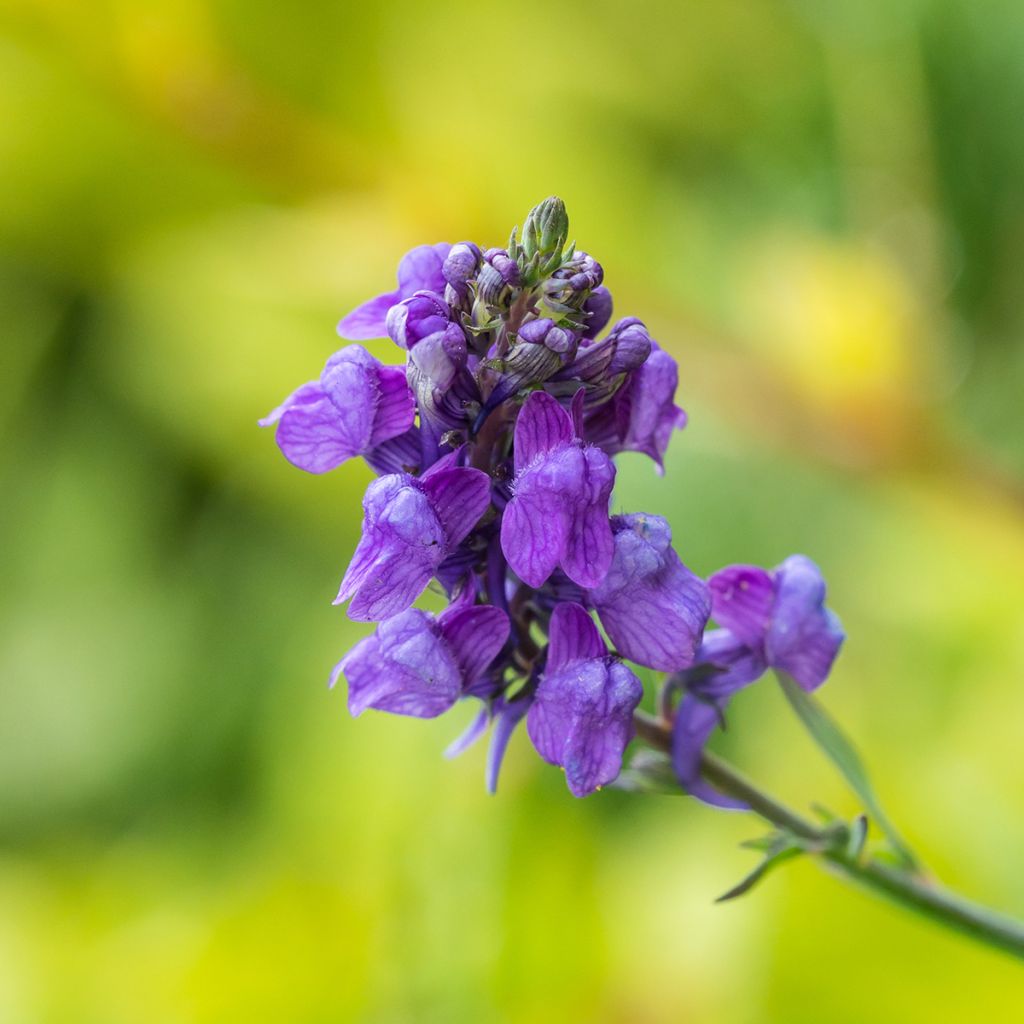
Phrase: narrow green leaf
pixel 840 751
pixel 779 856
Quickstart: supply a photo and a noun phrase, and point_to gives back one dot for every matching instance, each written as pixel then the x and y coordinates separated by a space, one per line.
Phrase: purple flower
pixel 460 265
pixel 598 309
pixel 581 717
pixel 417 665
pixel 356 405
pixel 419 269
pixel 410 525
pixel 652 607
pixel 558 515
pixel 782 615
pixel 642 414
pixel 774 619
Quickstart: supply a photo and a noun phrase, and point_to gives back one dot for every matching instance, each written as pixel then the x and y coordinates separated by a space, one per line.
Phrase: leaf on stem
pixel 840 751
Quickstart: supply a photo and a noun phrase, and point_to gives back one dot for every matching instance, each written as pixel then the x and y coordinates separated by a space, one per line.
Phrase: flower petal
pixel 542 426
pixel 535 524
pixel 589 546
pixel 368 321
pixel 804 636
pixel 582 719
pixel 313 437
pixel 420 269
pixel 572 637
pixel 475 635
pixel 742 597
pixel 402 545
pixel 652 607
pixel 459 496
pixel 405 668
pixel 695 721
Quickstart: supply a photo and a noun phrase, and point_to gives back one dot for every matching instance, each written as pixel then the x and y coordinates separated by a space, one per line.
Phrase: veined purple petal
pixel 543 425
pixel 313 437
pixel 804 636
pixel 535 525
pixel 396 408
pixel 737 665
pixel 459 496
pixel 305 395
pixel 653 414
pixel 582 719
pixel 742 598
pixel 402 545
pixel 695 721
pixel 400 454
pixel 475 635
pixel 367 321
pixel 589 546
pixel 405 668
pixel 652 607
pixel 421 269
pixel 572 637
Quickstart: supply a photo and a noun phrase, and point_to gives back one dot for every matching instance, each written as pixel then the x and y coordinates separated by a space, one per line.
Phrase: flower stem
pixel 910 891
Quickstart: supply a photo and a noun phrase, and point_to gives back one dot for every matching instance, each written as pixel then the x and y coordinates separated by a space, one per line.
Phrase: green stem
pixel 907 890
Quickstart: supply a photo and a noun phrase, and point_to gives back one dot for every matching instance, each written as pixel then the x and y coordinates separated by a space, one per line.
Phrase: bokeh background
pixel 816 206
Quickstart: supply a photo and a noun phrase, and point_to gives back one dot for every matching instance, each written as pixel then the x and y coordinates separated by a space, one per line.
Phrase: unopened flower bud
pixel 632 345
pixel 415 318
pixel 544 332
pixel 587 274
pixel 461 264
pixel 546 230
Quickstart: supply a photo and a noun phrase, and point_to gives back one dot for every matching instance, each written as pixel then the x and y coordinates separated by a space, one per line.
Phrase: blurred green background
pixel 818 207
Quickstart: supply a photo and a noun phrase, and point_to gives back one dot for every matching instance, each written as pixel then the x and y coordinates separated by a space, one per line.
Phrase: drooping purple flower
pixel 652 607
pixel 598 311
pixel 419 665
pixel 355 406
pixel 410 525
pixel 775 619
pixel 419 269
pixel 642 414
pixel 558 515
pixel 581 717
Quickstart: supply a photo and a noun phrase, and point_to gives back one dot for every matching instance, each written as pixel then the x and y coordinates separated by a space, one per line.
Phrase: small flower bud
pixel 632 345
pixel 499 273
pixel 415 318
pixel 461 264
pixel 546 230
pixel 544 332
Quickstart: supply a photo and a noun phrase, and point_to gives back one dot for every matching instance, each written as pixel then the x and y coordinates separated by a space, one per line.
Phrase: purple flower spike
pixel 582 714
pixel 417 665
pixel 652 606
pixel 410 525
pixel 356 405
pixel 419 269
pixel 558 515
